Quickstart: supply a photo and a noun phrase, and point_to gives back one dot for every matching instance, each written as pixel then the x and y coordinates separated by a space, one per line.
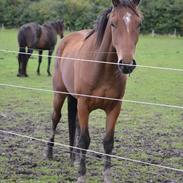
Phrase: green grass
pixel 146 133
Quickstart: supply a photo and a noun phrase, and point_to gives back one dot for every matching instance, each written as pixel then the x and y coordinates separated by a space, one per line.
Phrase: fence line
pixel 102 52
pixel 117 132
pixel 95 61
pixel 93 96
pixel 95 152
pixel 97 52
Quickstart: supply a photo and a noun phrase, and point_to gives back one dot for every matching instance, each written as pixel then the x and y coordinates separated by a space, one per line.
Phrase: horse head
pixel 60 28
pixel 125 21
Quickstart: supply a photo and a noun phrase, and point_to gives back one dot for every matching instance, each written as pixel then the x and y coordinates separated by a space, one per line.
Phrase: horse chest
pixel 111 91
pixel 108 92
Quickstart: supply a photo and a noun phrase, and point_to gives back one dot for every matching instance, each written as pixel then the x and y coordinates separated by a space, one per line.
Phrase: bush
pixel 161 15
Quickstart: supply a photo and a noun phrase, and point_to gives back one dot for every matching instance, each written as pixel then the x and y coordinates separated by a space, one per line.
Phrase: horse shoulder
pixel 72 41
pixel 77 36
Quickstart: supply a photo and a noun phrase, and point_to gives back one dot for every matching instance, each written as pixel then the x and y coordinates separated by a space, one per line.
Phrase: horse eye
pixel 113 25
pixel 139 25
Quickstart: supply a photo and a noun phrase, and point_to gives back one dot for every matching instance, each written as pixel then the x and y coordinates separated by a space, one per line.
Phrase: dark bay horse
pixel 41 37
pixel 113 40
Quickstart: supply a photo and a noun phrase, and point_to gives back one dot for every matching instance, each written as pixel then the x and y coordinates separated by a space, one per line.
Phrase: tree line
pixel 161 15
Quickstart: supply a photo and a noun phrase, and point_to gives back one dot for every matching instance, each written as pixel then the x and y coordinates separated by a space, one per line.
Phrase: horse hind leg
pixel 39 62
pixel 26 56
pixel 50 52
pixel 72 112
pixel 21 61
pixel 57 105
pixel 19 64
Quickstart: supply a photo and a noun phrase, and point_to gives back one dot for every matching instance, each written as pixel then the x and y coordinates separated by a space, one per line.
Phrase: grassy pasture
pixel 148 133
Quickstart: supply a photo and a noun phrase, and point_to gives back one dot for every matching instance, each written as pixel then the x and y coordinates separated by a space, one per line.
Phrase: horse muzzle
pixel 127 68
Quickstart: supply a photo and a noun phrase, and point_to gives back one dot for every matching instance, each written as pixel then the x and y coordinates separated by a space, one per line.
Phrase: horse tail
pixel 22 45
pixel 72 115
pixel 22 55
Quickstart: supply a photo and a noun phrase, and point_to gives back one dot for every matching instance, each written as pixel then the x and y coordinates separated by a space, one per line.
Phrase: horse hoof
pixel 49 153
pixel 49 156
pixel 107 176
pixel 76 163
pixel 72 161
pixel 75 160
pixel 22 75
pixel 81 179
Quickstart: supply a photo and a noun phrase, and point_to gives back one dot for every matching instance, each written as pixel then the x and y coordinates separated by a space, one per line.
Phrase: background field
pixel 147 133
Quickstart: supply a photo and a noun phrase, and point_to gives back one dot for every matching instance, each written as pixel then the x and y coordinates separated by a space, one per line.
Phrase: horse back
pixel 48 38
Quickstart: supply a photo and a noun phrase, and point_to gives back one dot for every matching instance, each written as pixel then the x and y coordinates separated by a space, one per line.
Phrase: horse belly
pixel 67 72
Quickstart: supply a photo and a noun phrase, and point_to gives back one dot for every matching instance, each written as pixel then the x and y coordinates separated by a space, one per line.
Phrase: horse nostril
pixel 134 63
pixel 120 61
pixel 127 68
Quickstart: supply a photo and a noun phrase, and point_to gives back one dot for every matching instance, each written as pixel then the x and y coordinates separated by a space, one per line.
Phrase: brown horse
pixel 113 41
pixel 41 37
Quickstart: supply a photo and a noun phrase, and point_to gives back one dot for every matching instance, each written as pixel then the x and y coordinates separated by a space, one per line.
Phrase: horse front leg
pixel 50 52
pixel 84 140
pixel 108 142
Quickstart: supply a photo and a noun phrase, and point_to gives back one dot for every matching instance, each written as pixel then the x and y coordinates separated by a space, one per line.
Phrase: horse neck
pixel 106 45
pixel 106 51
pixel 56 28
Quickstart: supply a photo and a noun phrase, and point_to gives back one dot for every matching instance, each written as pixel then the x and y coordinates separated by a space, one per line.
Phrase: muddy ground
pixel 23 160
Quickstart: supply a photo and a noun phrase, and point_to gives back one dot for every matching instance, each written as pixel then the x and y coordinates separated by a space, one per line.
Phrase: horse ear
pixel 115 2
pixel 136 2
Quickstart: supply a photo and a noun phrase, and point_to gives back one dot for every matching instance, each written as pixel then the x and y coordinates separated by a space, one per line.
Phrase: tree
pixel 162 15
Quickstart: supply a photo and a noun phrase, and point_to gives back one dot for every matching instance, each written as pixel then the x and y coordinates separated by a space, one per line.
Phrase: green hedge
pixel 164 16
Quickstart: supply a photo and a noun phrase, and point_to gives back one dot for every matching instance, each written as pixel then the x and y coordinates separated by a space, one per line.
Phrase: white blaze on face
pixel 127 20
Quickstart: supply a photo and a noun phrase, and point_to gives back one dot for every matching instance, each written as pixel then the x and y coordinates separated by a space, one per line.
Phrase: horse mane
pixel 102 21
pixel 57 25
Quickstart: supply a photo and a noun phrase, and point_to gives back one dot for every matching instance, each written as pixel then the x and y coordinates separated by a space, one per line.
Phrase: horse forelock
pixel 130 4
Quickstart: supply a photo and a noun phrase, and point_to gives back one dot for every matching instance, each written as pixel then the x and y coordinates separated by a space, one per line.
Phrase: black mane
pixel 57 25
pixel 102 21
